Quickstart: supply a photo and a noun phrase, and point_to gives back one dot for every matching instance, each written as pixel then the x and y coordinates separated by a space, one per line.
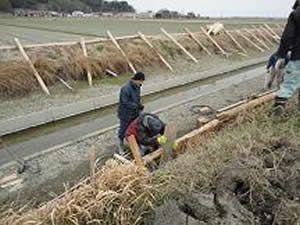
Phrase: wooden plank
pixel 235 41
pixel 251 42
pixel 271 30
pixel 70 43
pixel 122 159
pixel 203 120
pixel 83 47
pixel 230 114
pixel 9 178
pixel 257 39
pixel 35 72
pixel 12 183
pixel 270 34
pixel 179 45
pixel 121 50
pixel 259 31
pixel 144 38
pixel 135 152
pixel 197 41
pixel 213 41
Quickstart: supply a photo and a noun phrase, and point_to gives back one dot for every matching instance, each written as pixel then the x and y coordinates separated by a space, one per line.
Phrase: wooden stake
pixel 64 83
pixel 251 42
pixel 92 158
pixel 179 45
pixel 271 30
pixel 257 39
pixel 35 72
pixel 89 76
pixel 111 73
pixel 135 152
pixel 235 41
pixel 270 34
pixel 9 178
pixel 262 35
pixel 121 50
pixel 143 37
pixel 213 41
pixel 197 41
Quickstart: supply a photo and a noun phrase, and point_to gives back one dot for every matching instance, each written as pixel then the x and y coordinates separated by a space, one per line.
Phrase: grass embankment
pixel 68 63
pixel 249 168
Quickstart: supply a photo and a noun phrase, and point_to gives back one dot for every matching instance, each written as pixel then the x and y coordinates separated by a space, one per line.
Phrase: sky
pixel 220 8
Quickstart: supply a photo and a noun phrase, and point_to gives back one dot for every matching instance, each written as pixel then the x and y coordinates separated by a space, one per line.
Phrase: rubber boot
pixel 279 108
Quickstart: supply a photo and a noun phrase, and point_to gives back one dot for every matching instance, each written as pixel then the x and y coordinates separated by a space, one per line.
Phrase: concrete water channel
pixel 38 139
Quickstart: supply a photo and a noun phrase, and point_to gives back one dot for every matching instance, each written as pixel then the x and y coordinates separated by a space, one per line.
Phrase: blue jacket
pixel 130 101
pixel 274 58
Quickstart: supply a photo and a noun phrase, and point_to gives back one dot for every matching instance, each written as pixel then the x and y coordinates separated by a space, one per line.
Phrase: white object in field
pixel 215 29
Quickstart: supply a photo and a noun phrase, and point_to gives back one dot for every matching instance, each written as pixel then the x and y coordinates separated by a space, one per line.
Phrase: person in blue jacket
pixel 130 106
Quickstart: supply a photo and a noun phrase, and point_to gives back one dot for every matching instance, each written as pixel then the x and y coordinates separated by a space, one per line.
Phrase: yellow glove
pixel 162 140
pixel 175 145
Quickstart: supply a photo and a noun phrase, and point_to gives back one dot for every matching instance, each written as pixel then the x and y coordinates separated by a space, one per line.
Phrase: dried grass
pixel 16 78
pixel 119 195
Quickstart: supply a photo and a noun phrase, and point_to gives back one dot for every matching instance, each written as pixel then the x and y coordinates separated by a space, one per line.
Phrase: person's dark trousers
pixel 124 123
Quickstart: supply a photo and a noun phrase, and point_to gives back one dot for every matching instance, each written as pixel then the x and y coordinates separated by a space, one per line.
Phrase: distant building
pixel 32 13
pixel 126 15
pixel 146 15
pixel 107 14
pixel 78 14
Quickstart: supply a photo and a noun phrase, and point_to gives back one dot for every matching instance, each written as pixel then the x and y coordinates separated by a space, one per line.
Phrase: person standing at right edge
pixel 130 106
pixel 290 41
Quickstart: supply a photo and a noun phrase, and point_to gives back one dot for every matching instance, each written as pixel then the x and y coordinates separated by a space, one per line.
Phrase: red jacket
pixel 132 129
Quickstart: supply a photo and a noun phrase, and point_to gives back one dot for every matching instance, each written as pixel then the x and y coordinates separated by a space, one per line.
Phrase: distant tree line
pixel 67 6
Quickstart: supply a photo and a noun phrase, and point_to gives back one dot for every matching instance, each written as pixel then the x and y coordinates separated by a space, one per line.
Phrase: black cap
pixel 296 4
pixel 139 76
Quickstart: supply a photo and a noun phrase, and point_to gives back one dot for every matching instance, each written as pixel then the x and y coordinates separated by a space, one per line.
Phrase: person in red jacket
pixel 146 129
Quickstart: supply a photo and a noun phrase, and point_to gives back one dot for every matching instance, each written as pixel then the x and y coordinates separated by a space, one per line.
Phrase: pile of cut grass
pixel 119 194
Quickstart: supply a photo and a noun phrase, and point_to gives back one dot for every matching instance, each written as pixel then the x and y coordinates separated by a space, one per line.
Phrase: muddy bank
pixel 248 173
pixel 262 190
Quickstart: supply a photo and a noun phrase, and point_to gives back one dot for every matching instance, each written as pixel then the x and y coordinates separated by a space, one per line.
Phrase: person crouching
pixel 146 129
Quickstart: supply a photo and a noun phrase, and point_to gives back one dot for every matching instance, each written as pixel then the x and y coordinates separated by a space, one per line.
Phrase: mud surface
pixel 262 189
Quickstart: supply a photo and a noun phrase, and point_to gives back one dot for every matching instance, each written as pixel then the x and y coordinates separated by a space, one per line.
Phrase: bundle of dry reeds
pixel 118 194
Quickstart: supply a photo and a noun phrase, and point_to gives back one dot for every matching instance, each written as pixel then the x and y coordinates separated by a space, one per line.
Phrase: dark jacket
pixel 146 128
pixel 274 58
pixel 291 36
pixel 130 101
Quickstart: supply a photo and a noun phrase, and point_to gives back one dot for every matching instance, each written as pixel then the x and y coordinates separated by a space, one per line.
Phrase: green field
pixel 43 30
